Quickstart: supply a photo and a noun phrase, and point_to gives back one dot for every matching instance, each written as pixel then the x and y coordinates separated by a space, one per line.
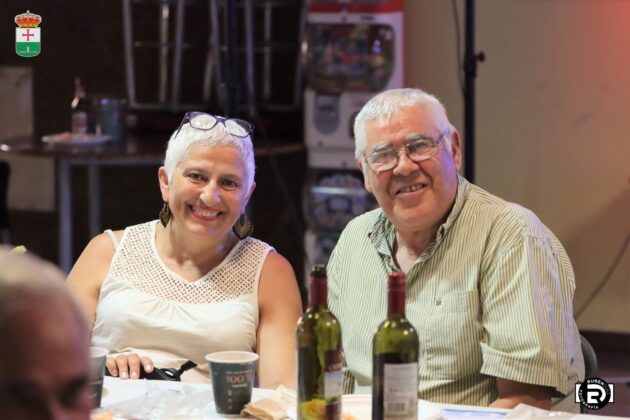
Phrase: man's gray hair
pixel 390 102
pixel 26 282
pixel 180 144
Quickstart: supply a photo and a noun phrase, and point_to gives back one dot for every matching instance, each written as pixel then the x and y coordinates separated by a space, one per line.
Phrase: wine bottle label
pixel 332 383
pixel 400 390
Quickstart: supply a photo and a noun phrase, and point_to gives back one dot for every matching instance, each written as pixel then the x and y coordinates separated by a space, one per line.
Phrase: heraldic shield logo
pixel 28 35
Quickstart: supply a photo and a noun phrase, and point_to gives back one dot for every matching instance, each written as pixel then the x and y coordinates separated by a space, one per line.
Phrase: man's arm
pixel 527 296
pixel 513 393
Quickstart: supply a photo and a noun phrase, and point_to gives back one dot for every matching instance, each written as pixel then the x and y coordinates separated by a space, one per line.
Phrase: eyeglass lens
pixel 417 151
pixel 234 126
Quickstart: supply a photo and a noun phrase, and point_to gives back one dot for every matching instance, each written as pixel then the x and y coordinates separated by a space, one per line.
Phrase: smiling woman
pixel 194 282
pixel 207 191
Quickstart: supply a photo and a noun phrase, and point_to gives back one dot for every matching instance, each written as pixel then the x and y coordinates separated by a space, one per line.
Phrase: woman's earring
pixel 165 214
pixel 243 227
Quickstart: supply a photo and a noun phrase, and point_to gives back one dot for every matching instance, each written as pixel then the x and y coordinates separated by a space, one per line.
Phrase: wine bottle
pixel 80 109
pixel 395 359
pixel 318 355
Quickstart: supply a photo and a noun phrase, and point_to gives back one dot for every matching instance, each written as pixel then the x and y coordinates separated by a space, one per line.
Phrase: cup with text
pixel 232 374
pixel 97 372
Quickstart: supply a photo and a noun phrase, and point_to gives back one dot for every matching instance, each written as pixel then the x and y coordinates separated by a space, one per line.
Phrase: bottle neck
pixel 318 292
pixel 79 91
pixel 396 303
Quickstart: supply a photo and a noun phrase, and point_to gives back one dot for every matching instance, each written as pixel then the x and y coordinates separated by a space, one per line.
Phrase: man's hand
pixel 513 393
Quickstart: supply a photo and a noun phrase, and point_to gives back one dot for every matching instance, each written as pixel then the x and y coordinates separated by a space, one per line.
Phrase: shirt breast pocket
pixel 453 335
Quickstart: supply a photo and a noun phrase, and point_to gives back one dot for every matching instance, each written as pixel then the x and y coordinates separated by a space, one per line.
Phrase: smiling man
pixel 489 287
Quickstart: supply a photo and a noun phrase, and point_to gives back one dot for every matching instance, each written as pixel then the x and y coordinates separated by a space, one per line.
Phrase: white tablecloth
pixel 166 400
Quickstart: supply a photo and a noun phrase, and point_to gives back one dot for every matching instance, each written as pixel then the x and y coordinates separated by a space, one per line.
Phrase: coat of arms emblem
pixel 28 35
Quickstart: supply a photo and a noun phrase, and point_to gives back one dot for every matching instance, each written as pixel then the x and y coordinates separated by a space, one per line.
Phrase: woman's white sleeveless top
pixel 146 308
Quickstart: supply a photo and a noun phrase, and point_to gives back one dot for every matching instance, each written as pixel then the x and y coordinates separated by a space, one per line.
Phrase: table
pixel 142 398
pixel 138 149
pixel 120 395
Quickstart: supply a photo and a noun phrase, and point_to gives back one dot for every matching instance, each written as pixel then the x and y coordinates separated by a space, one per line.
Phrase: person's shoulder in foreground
pixel 44 365
pixel 479 269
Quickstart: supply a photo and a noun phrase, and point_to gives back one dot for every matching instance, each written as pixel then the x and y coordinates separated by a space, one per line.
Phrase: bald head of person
pixel 44 355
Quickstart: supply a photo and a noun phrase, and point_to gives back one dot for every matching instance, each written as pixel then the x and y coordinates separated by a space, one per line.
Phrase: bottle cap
pixel 396 281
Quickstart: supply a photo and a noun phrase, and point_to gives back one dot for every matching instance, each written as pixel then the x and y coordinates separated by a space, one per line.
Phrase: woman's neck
pixel 185 253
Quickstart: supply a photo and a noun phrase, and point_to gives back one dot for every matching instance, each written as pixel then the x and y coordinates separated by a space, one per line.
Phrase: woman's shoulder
pixel 255 243
pixel 102 247
pixel 92 266
pixel 275 262
pixel 115 236
pixel 250 250
pixel 141 232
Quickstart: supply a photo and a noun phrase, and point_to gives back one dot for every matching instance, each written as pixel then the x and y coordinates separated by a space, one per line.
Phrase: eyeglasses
pixel 384 158
pixel 202 121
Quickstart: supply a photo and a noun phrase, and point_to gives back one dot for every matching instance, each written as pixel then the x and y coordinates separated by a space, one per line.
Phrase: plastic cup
pixel 232 374
pixel 111 117
pixel 98 355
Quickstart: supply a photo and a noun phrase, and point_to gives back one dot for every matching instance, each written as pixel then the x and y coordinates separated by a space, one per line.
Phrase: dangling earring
pixel 243 227
pixel 165 214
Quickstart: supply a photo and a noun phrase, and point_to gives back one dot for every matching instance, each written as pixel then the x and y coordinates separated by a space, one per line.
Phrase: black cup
pixel 232 374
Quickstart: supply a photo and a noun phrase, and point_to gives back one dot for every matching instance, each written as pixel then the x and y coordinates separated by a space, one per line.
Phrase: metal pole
pixel 249 58
pixel 180 10
pixel 233 62
pixel 65 215
pixel 129 56
pixel 470 72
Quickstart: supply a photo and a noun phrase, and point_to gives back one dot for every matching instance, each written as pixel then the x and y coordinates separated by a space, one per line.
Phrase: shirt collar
pixel 382 233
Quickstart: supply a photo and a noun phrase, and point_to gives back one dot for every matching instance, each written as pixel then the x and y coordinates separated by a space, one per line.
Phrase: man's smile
pixel 411 188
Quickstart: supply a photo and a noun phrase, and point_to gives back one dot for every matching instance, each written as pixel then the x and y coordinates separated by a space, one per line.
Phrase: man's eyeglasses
pixel 202 121
pixel 382 159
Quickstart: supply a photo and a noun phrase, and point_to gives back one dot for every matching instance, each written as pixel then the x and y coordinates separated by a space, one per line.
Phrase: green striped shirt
pixel 492 296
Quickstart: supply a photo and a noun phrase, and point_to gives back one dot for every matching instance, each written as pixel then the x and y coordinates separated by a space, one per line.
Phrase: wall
pixel 552 103
pixel 16 120
pixel 85 39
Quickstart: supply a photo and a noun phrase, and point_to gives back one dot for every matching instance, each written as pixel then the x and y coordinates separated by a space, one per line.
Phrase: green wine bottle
pixel 318 355
pixel 395 359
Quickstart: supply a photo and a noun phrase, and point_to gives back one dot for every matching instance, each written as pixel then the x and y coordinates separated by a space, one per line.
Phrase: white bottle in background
pixel 80 109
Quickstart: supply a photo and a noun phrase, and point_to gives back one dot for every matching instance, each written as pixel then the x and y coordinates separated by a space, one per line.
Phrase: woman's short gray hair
pixel 188 137
pixel 390 102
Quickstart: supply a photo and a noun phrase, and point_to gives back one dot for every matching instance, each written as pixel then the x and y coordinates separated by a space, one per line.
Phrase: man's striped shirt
pixel 492 296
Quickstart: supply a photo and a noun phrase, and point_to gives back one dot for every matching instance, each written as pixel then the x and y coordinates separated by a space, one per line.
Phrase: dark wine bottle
pixel 80 107
pixel 395 359
pixel 318 355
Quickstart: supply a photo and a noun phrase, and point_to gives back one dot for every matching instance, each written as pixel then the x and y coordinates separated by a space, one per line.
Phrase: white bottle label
pixel 400 390
pixel 332 384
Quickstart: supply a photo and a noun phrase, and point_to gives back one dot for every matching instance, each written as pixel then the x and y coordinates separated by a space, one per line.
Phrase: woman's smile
pixel 206 214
